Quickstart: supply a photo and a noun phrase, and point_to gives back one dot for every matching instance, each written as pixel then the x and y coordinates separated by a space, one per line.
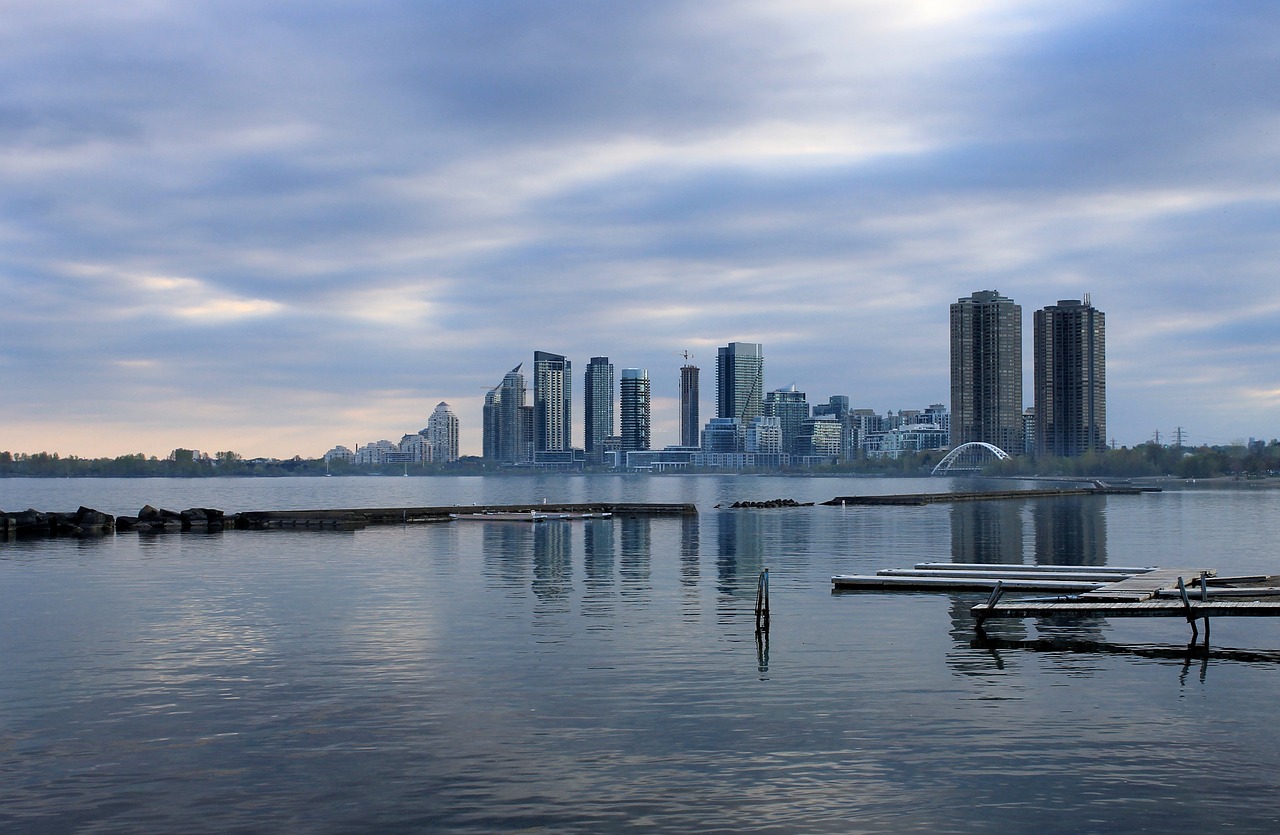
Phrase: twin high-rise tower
pixel 1070 379
pixel 1069 374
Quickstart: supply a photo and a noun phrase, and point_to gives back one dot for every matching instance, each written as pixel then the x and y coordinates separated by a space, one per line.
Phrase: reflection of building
pixel 1071 530
pixel 689 426
pixel 740 381
pixel 986 371
pixel 635 409
pixel 597 413
pixel 1070 379
pixel 987 532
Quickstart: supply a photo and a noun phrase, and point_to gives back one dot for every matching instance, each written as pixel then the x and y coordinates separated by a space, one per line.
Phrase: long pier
pixel 88 522
pixel 359 517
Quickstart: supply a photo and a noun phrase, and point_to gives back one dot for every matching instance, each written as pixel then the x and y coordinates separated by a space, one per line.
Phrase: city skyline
pixel 246 227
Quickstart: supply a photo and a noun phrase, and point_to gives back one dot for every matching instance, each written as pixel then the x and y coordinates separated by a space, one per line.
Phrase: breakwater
pixel 86 521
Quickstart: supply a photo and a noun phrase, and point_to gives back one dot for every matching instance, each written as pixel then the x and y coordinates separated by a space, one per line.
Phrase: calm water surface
pixel 604 676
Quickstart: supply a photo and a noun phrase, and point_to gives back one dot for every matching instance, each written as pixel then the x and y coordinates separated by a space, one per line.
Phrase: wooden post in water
pixel 762 602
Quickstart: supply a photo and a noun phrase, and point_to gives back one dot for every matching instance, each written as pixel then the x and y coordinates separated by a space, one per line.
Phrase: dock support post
pixel 762 602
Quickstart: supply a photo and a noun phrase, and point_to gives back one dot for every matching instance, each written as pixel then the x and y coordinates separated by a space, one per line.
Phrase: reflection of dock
pixel 1087 591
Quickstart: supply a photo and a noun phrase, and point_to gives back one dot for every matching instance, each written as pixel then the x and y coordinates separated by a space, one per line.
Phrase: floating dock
pixel 1086 591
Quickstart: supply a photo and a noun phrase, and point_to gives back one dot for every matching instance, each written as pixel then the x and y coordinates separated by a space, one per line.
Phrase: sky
pixel 274 227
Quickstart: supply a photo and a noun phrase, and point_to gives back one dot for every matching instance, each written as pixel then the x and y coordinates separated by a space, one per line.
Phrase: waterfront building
pixel 790 407
pixel 820 440
pixel 552 402
pixel 378 452
pixel 442 434
pixel 511 419
pixel 938 415
pixel 764 435
pixel 740 381
pixel 597 407
pixel 1029 430
pixel 837 407
pixel 1070 379
pixel 415 448
pixel 986 371
pixel 723 435
pixel 636 417
pixel 689 419
pixel 489 423
pixel 912 437
pixel 339 453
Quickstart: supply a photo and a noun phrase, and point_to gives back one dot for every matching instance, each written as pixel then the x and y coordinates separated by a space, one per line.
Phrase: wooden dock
pixel 1195 594
pixel 981 577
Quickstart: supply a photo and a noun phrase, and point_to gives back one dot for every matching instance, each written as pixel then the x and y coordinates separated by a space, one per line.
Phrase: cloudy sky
pixel 273 227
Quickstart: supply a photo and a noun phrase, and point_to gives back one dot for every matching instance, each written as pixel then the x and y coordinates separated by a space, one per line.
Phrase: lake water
pixel 604 675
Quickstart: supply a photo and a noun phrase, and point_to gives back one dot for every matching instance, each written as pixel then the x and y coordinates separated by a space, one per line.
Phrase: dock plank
pixel 1144 586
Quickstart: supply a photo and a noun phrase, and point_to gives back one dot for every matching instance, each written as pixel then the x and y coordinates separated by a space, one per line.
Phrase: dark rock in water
pixel 126 523
pixel 771 503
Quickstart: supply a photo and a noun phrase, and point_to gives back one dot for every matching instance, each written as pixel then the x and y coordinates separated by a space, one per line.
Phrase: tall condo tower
pixel 986 371
pixel 740 381
pixel 442 434
pixel 552 405
pixel 635 409
pixel 489 423
pixel 1070 379
pixel 689 425
pixel 597 413
pixel 511 409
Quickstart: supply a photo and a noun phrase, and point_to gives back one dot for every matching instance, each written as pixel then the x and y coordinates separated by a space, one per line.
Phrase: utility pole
pixel 1157 438
pixel 1178 437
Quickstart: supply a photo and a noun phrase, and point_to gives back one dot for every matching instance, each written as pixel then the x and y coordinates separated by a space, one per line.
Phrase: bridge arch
pixel 970 458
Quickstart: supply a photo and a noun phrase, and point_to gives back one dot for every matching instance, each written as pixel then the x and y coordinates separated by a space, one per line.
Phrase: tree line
pixel 1145 460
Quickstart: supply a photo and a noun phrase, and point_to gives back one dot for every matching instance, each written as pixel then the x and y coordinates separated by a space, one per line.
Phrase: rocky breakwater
pixel 85 521
pixel 770 503
pixel 160 520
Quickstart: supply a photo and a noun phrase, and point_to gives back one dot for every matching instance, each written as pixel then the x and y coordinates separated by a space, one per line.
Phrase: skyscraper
pixel 689 428
pixel 510 403
pixel 597 413
pixel 986 371
pixel 740 381
pixel 635 409
pixel 1070 379
pixel 489 423
pixel 552 404
pixel 442 434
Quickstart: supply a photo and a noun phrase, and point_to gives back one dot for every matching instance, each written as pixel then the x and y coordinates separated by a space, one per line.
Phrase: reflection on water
pixel 987 532
pixel 605 675
pixel 1071 530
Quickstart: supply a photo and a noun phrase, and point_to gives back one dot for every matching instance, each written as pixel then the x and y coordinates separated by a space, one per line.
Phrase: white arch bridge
pixel 970 458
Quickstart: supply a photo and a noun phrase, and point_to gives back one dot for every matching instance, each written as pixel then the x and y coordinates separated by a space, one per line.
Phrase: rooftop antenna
pixel 1088 300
